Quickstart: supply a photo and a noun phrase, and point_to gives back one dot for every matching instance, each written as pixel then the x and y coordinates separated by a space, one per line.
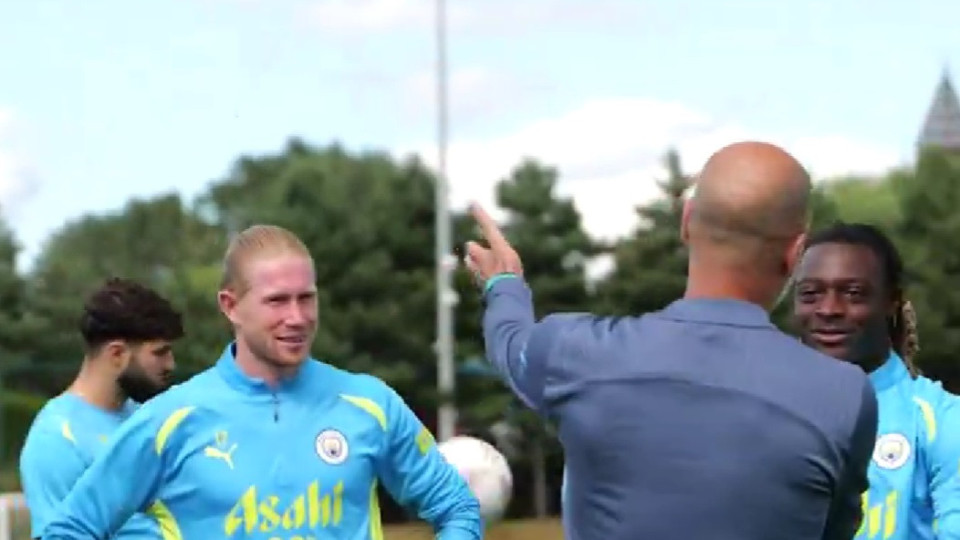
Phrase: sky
pixel 105 100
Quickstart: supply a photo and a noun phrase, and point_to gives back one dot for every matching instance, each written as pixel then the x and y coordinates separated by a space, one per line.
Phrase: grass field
pixel 514 530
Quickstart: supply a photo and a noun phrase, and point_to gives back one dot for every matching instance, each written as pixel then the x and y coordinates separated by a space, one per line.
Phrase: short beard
pixel 136 386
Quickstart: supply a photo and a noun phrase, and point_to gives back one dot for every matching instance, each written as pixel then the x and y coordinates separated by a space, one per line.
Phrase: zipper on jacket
pixel 276 408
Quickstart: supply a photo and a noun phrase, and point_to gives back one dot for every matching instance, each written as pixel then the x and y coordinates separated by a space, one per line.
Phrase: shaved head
pixel 750 190
pixel 747 215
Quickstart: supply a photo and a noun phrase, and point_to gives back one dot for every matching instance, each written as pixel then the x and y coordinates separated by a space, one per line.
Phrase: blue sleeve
pixel 123 480
pixel 941 457
pixel 418 476
pixel 846 512
pixel 50 465
pixel 523 351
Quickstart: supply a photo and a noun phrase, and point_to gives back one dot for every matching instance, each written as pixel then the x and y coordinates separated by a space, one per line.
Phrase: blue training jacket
pixel 914 476
pixel 226 456
pixel 64 439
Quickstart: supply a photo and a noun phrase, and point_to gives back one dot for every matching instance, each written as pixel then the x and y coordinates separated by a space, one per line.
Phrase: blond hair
pixel 906 339
pixel 256 242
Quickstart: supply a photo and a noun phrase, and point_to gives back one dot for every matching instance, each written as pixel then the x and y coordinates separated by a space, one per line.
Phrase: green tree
pixel 19 331
pixel 650 266
pixel 929 236
pixel 19 327
pixel 547 232
pixel 481 399
pixel 864 199
pixel 824 208
pixel 158 241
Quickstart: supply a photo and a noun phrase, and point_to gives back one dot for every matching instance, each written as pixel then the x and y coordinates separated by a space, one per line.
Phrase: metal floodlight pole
pixel 446 297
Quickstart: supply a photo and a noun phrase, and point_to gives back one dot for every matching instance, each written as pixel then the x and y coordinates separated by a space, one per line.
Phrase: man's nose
pixel 297 315
pixel 831 305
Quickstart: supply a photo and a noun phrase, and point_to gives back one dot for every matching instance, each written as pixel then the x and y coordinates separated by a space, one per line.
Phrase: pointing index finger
pixel 489 228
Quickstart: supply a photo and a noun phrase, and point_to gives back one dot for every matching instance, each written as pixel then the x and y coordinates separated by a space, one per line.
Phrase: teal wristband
pixel 494 279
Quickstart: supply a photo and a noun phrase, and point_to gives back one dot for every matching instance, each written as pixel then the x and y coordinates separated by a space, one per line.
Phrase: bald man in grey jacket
pixel 701 421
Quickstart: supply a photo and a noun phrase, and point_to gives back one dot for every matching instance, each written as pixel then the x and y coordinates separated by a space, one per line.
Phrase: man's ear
pixel 685 221
pixel 795 253
pixel 118 353
pixel 228 301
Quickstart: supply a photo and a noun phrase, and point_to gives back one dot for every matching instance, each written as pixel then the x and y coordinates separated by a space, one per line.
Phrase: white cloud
pixel 349 17
pixel 609 153
pixel 17 176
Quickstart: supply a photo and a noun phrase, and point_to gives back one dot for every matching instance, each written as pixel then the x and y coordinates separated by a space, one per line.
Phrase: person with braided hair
pixel 849 303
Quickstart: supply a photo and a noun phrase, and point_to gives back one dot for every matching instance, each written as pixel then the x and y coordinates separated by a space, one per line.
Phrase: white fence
pixel 9 504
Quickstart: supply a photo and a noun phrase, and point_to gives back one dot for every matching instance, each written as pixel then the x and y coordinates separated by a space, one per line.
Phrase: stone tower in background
pixel 941 129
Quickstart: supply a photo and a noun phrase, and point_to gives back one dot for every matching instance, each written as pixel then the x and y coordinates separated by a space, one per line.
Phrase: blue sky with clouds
pixel 103 100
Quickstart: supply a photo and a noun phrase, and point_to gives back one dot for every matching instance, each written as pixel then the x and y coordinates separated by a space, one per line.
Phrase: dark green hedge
pixel 18 410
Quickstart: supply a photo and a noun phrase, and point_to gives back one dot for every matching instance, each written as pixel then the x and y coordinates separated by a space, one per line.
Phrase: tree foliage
pixel 369 218
pixel 547 230
pixel 929 237
pixel 650 266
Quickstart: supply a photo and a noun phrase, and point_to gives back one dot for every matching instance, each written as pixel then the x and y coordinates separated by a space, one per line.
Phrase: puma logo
pixel 217 453
pixel 217 450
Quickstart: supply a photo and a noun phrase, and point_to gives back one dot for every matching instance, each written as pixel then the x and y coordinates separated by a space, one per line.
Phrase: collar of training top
pixel 721 311
pixel 890 373
pixel 231 373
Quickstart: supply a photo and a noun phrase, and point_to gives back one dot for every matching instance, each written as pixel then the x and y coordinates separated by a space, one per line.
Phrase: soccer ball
pixel 485 470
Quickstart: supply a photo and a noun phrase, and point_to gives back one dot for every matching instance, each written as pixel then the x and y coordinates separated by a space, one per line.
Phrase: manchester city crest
pixel 892 451
pixel 332 446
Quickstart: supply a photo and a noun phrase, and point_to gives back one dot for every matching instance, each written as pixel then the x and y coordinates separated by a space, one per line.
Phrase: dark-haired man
pixel 128 331
pixel 849 303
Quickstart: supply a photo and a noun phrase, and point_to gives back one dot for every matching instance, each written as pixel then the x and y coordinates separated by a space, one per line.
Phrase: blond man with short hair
pixel 270 443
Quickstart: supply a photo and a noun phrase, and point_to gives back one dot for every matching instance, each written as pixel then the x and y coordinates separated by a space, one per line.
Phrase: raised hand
pixel 498 258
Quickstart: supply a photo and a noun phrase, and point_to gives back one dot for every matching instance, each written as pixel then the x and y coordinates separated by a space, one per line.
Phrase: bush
pixel 18 410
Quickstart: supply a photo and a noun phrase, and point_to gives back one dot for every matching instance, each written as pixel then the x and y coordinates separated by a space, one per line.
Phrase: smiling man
pixel 849 303
pixel 128 330
pixel 270 443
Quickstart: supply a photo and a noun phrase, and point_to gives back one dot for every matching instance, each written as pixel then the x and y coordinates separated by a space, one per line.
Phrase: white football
pixel 485 470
